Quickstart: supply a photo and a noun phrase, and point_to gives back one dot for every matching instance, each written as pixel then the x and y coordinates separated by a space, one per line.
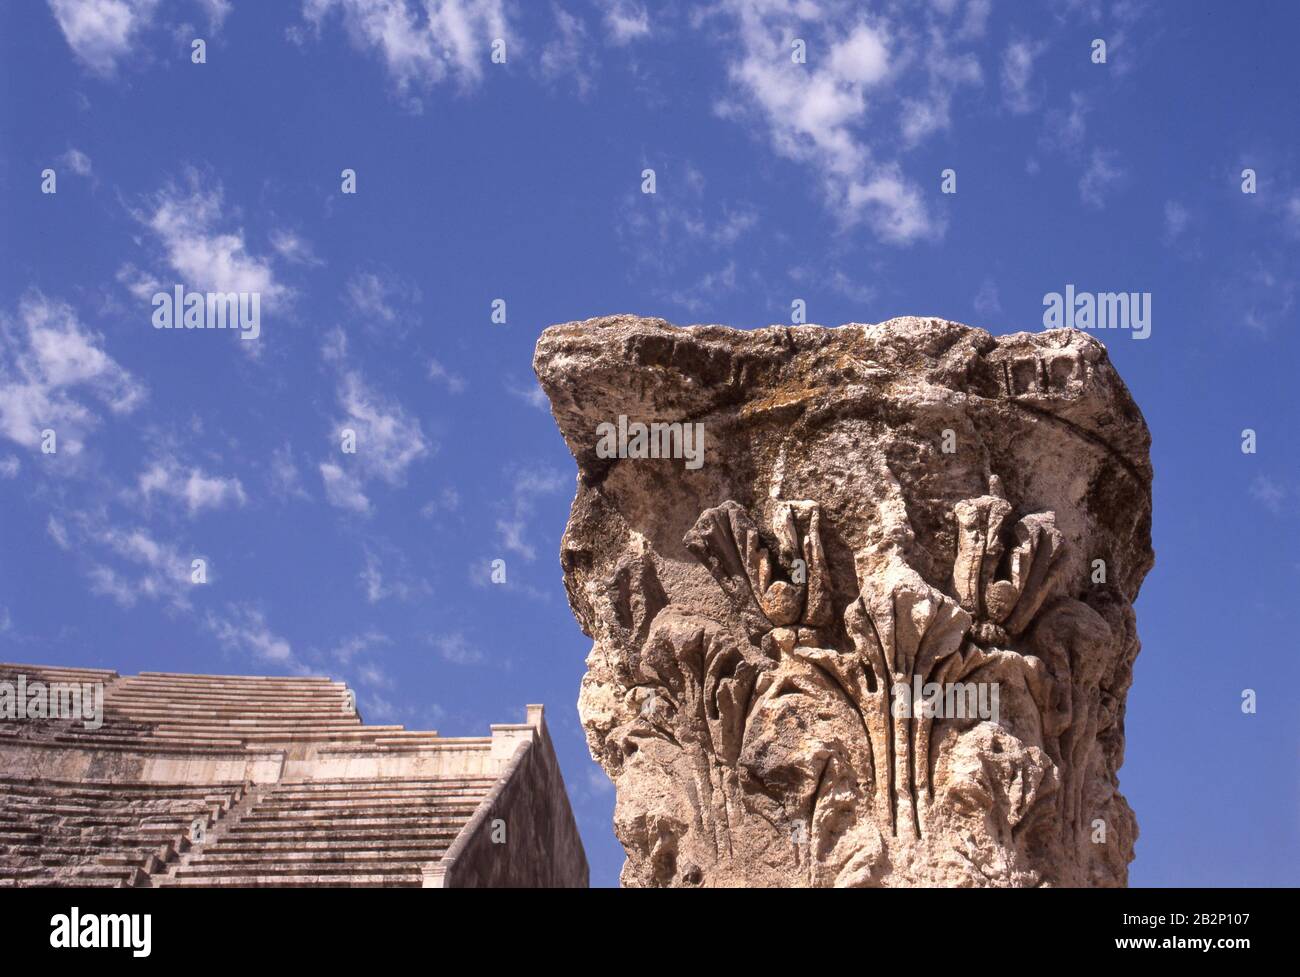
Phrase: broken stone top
pixel 908 504
pixel 775 402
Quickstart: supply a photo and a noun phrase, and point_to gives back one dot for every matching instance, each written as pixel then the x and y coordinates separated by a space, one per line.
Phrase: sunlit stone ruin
pixel 201 780
pixel 881 632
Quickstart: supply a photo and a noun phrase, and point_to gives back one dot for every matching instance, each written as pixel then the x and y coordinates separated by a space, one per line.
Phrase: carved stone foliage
pixel 781 729
pixel 865 678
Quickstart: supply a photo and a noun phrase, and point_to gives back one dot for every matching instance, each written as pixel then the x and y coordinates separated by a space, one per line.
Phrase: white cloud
pixel 47 356
pixel 100 32
pixel 1267 287
pixel 103 33
pixel 286 479
pixel 625 21
pixel 375 677
pixel 455 384
pixel 244 629
pixel 358 645
pixel 217 11
pixel 986 301
pixel 946 71
pixel 1018 74
pixel 343 489
pixel 384 297
pixel 77 161
pixel 1291 213
pixel 57 532
pixel 1177 218
pixel 817 113
pixel 191 224
pixel 349 648
pixel 197 489
pixel 448 500
pixel 1102 176
pixel 821 276
pixel 128 563
pixel 454 648
pixel 378 586
pixel 898 211
pixel 568 54
pixel 673 232
pixel 703 294
pixel 1066 130
pixel 10 466
pixel 512 527
pixel 421 44
pixel 293 249
pixel 1269 493
pixel 388 440
pixel 532 395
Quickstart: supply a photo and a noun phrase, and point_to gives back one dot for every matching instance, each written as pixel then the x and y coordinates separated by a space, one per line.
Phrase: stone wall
pixel 523 835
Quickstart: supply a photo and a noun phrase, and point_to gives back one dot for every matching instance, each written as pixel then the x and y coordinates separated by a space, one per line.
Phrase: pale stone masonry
pixel 203 780
pixel 910 505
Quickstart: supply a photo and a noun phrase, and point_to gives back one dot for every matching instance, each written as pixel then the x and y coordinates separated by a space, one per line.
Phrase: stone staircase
pixel 312 833
pixel 289 786
pixel 335 833
pixel 99 834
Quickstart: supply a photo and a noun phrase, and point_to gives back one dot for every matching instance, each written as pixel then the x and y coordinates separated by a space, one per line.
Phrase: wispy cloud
pixel 358 644
pixel 128 563
pixel 1269 492
pixel 526 487
pixel 243 628
pixel 76 161
pixel 1018 93
pixel 453 382
pixel 568 54
pixel 625 21
pixel 420 44
pixel 824 112
pixel 192 226
pixel 197 489
pixel 456 649
pixel 1102 177
pixel 51 367
pixel 101 32
pixel 387 439
pixel 379 583
pixel 531 394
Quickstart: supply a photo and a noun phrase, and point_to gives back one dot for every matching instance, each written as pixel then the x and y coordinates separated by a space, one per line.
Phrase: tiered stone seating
pixel 292 788
pixel 337 833
pixel 95 834
pixel 248 711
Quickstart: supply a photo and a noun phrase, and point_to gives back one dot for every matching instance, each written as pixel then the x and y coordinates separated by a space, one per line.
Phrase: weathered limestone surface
pixel 753 619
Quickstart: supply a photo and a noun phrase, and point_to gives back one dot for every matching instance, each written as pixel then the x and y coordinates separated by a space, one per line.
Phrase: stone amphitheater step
pixel 296 863
pixel 44 673
pixel 397 791
pixel 269 680
pixel 339 832
pixel 343 880
pixel 351 830
pixel 79 832
pixel 356 735
pixel 232 847
pixel 158 702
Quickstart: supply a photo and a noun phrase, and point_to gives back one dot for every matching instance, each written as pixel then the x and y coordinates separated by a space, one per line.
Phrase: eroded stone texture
pixel 753 618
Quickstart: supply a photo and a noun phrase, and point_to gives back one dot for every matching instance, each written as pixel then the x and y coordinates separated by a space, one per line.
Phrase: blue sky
pixel 521 181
